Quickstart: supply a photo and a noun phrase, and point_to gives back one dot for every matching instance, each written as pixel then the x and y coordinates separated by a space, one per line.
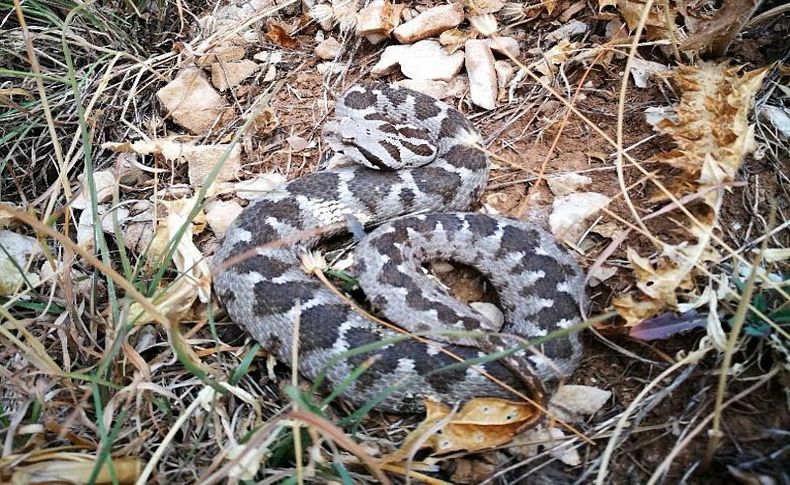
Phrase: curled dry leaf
pixel 554 57
pixel 666 325
pixel 481 423
pixel 15 249
pixel 712 135
pixel 278 35
pixel 105 183
pixel 194 279
pixel 535 440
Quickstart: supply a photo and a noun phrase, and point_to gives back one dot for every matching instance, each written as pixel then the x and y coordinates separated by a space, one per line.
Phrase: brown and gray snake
pixel 412 165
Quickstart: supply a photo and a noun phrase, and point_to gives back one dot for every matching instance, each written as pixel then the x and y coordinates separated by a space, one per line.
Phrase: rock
pixel 427 60
pixel 430 22
pixel 269 57
pixel 225 75
pixel 220 214
pixel 424 60
pixel 435 89
pixel 458 86
pixel 570 211
pixel 377 21
pixel 328 49
pixel 271 73
pixel 389 60
pixel 567 183
pixel 202 158
pixel 504 46
pixel 574 27
pixel 192 103
pixel 325 68
pixel 482 75
pixel 222 53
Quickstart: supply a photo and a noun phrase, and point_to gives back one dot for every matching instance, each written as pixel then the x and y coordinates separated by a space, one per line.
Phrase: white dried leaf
pixel 105 183
pixel 15 251
pixel 642 71
pixel 253 188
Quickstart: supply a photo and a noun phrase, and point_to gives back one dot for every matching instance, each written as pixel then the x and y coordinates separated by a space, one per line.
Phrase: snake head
pixel 379 144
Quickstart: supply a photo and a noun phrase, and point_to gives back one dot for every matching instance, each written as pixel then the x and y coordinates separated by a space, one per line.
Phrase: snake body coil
pixel 416 164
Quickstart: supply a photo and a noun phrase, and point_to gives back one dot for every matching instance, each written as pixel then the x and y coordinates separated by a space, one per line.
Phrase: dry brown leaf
pixel 266 122
pixel 480 424
pixel 712 132
pixel 550 5
pixel 712 135
pixel 194 279
pixel 555 56
pixel 634 310
pixel 68 467
pixel 714 33
pixel 279 36
pixel 655 26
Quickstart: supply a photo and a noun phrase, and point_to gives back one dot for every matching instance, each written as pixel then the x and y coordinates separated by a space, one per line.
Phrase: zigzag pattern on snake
pixel 415 163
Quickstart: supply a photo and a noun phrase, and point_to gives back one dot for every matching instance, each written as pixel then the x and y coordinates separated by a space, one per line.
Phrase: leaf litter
pixel 678 276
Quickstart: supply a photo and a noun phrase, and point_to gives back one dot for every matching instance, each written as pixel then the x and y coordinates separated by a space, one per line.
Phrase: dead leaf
pixel 481 424
pixel 634 310
pixel 277 35
pixel 194 279
pixel 667 324
pixel 15 252
pixel 712 135
pixel 714 33
pixel 532 442
pixel 550 5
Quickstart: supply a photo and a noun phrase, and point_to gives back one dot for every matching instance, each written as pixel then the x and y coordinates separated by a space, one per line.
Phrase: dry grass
pixel 86 389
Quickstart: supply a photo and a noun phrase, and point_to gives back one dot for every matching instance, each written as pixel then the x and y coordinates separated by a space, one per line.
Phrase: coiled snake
pixel 417 163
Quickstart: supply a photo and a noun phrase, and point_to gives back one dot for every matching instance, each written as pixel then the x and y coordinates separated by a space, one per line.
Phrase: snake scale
pixel 412 163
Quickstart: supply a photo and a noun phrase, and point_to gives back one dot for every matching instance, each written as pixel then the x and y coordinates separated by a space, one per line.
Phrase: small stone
pixel 269 57
pixel 192 103
pixel 271 73
pixel 567 219
pixel 329 67
pixel 504 46
pixel 430 22
pixel 296 143
pixel 222 53
pixel 441 267
pixel 567 183
pixel 328 49
pixel 225 75
pixel 482 76
pixel 491 312
pixel 220 214
pixel 389 60
pixel 435 89
pixel 202 158
pixel 427 60
pixel 377 21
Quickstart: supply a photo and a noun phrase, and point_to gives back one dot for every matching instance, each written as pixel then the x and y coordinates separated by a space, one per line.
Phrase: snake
pixel 409 168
